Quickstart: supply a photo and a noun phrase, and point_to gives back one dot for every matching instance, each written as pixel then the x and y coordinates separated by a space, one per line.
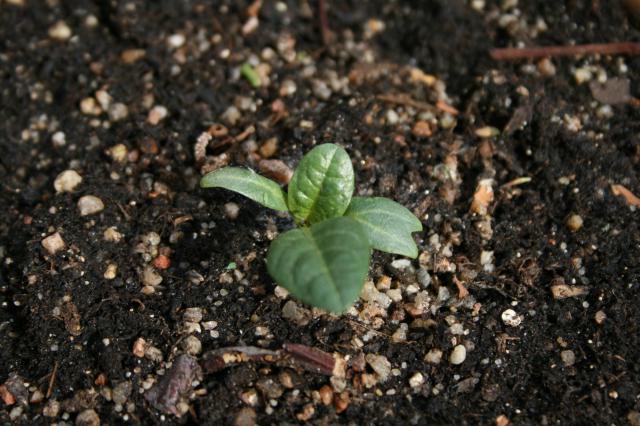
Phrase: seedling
pixel 324 262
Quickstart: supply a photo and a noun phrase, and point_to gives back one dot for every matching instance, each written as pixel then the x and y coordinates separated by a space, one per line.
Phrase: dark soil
pixel 66 329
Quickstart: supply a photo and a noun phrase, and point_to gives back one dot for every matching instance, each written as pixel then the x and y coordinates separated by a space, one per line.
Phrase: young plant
pixel 324 262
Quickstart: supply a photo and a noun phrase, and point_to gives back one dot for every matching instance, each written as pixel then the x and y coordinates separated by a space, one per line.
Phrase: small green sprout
pixel 325 261
pixel 251 75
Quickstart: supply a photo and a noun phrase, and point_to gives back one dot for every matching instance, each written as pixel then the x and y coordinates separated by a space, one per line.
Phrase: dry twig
pixel 512 53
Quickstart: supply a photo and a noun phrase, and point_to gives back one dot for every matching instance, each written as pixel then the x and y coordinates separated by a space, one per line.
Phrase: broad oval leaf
pixel 388 225
pixel 324 265
pixel 248 183
pixel 322 185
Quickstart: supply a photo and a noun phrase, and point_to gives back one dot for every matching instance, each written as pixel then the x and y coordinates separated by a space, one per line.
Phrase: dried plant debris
pixel 174 388
pixel 295 355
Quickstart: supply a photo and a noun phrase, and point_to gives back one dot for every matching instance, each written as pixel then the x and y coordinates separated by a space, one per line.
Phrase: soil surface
pixel 522 306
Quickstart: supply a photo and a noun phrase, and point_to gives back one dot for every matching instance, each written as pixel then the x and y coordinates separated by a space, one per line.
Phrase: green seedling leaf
pixel 324 265
pixel 248 183
pixel 387 224
pixel 322 185
pixel 251 75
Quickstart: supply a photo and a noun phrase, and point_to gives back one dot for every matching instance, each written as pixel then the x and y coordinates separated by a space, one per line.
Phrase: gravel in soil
pixel 119 275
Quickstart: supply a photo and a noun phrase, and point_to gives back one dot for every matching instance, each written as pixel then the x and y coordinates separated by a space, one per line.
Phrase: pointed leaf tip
pixel 248 183
pixel 388 225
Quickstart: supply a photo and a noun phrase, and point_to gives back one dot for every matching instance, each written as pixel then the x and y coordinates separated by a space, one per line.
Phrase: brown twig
pixel 309 358
pixel 218 359
pixel 291 355
pixel 52 379
pixel 511 53
pixel 630 198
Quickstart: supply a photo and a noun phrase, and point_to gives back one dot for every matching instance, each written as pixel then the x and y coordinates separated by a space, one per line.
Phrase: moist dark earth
pixel 522 307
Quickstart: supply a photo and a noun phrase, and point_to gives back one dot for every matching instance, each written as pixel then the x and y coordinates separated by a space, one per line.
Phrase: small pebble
pixel 443 294
pixel 422 129
pixel 139 347
pixel 130 56
pixel 121 392
pixel 60 31
pixel 288 88
pixel 574 222
pixel 582 75
pixel 157 114
pixel 231 210
pixel 321 90
pixel 433 356
pixel 53 243
pixel 67 181
pixel 568 357
pixel 380 365
pixel 192 345
pixel 458 355
pixel 150 277
pixel 59 139
pixel 232 115
pixel 192 315
pixel 292 312
pixel 119 153
pixel 16 412
pixel 600 317
pixel 104 99
pixel 51 409
pixel 176 40
pixel 111 271
pixel 118 111
pixel 250 397
pixel 423 277
pixel 511 318
pixel 162 262
pixel 90 204
pixel 416 380
pixel 89 106
pixel 487 132
pixel 37 397
pixel 546 67
pixel 326 394
pixel 88 418
pixel 112 235
pixel 154 354
pixel 395 294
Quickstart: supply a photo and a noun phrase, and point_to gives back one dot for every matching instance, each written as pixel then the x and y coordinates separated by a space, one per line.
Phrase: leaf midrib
pixel 324 177
pixel 323 262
